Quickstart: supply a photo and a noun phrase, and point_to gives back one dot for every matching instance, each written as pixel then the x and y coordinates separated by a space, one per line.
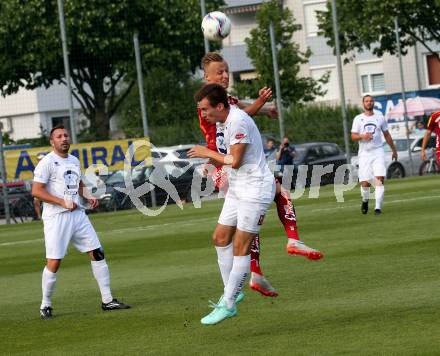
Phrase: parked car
pixel 314 154
pixel 20 201
pixel 174 154
pixel 402 167
pixel 178 173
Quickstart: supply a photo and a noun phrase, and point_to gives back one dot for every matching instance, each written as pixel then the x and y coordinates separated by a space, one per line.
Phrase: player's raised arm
pixel 260 106
pixel 234 159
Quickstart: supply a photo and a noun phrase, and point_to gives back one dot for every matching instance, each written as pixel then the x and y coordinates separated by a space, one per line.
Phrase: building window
pixel 311 18
pixel 371 76
pixel 61 120
pixel 372 83
pixel 433 69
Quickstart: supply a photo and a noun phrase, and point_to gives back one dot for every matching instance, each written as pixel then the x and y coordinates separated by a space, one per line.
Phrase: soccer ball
pixel 216 26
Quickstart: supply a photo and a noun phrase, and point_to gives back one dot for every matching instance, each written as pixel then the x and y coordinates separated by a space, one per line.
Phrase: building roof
pixel 240 6
pixel 235 3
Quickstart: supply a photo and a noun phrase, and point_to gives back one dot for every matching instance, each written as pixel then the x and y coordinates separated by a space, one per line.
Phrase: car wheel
pixel 428 167
pixel 395 171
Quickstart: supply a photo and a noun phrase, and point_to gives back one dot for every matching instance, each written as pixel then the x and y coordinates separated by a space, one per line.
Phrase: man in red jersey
pixel 216 71
pixel 433 125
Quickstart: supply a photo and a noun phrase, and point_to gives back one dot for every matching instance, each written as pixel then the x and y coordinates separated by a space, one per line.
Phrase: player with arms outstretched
pixel 216 71
pixel 250 193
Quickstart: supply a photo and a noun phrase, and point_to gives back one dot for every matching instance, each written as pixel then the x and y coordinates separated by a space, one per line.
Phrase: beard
pixel 64 148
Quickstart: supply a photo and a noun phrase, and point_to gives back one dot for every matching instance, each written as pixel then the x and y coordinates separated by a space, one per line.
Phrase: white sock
pixel 365 193
pixel 239 272
pixel 225 257
pixel 48 281
pixel 379 193
pixel 102 276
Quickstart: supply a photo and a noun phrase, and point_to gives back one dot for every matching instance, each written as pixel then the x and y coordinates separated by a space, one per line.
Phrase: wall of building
pixel 366 73
pixel 28 112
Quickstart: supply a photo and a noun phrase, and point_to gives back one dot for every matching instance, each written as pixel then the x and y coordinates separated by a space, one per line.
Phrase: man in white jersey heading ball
pixel 57 183
pixel 251 192
pixel 367 129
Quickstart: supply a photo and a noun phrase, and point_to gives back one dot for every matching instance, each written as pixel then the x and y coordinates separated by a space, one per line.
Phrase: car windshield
pixel 116 177
pixel 300 152
pixel 158 154
pixel 183 154
pixel 401 145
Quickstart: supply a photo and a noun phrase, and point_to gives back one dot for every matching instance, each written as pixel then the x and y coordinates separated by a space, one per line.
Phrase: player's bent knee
pixel 98 254
pixel 220 239
pixel 53 265
pixel 242 242
pixel 378 181
pixel 222 235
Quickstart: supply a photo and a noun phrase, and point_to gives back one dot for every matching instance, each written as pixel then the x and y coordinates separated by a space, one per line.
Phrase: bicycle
pixel 430 166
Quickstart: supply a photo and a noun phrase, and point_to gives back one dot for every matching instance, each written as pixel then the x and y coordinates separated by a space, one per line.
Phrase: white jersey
pixel 374 124
pixel 61 177
pixel 220 138
pixel 240 128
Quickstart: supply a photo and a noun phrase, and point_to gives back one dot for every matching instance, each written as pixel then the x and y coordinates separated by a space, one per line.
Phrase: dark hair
pixel 211 57
pixel 366 96
pixel 215 94
pixel 57 127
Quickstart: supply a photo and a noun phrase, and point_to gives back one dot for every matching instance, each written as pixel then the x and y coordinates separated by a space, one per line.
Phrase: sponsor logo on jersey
pixel 370 128
pixel 239 136
pixel 71 180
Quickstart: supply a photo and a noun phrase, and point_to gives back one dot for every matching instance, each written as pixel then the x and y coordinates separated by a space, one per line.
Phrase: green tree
pixel 171 111
pixel 370 25
pixel 293 87
pixel 100 41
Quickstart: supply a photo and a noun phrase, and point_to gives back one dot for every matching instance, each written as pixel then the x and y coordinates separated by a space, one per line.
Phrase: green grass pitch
pixel 376 292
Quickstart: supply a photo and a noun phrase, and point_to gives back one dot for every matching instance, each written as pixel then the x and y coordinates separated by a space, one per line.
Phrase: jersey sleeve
pixel 232 100
pixel 431 121
pixel 42 172
pixel 239 132
pixel 356 127
pixel 209 132
pixel 383 124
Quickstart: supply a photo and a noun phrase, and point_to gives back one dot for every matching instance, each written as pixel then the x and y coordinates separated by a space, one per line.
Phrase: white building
pixel 365 74
pixel 28 112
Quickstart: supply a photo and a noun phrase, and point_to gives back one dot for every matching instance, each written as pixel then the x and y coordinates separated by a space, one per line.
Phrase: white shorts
pixel 63 228
pixel 245 210
pixel 371 166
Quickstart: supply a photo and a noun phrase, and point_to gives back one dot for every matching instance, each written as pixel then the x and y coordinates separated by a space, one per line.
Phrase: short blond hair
pixel 211 57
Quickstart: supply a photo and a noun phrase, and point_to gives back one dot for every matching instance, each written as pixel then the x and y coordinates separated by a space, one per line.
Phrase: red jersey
pixel 210 130
pixel 434 126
